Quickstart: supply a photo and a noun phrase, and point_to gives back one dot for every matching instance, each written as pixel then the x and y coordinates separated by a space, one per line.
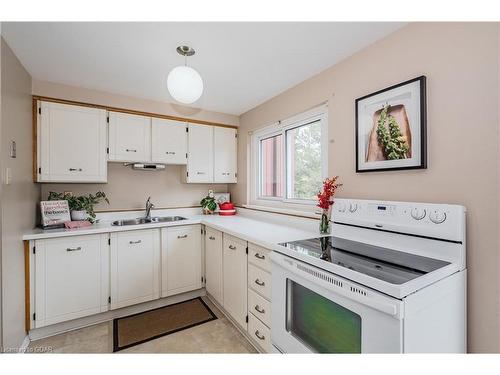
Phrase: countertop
pixel 260 232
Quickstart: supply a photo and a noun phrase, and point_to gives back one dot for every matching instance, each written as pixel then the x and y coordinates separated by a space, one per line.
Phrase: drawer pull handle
pixel 170 152
pixel 258 282
pixel 200 172
pixel 259 336
pixel 258 309
pixel 257 255
pixel 211 238
pixel 74 248
pixel 135 242
pixel 232 247
pixel 130 150
pixel 183 236
pixel 75 169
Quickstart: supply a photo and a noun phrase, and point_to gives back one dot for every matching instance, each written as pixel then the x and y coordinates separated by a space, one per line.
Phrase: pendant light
pixel 183 82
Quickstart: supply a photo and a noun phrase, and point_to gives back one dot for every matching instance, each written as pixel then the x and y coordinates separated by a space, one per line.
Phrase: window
pixel 290 160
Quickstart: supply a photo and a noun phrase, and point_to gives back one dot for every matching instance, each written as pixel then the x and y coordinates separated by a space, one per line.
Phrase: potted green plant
pixel 208 204
pixel 81 206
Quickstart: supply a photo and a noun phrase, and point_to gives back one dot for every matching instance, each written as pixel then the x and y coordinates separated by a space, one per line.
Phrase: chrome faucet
pixel 149 206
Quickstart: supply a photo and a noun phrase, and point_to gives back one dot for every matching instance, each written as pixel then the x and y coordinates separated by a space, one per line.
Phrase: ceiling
pixel 242 64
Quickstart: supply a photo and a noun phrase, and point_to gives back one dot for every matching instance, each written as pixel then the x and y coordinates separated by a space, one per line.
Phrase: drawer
pixel 259 333
pixel 260 281
pixel 260 307
pixel 259 256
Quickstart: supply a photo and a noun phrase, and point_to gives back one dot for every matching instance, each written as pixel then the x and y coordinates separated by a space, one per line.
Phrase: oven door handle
pixel 385 307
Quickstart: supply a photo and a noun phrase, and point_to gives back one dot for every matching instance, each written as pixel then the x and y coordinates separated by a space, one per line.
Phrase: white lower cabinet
pixel 213 264
pixel 260 333
pixel 181 259
pixel 71 278
pixel 235 278
pixel 135 267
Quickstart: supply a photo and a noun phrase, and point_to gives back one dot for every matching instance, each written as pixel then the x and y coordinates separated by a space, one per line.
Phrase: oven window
pixel 321 324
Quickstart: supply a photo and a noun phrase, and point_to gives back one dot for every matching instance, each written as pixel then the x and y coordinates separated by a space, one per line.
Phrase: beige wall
pixel 127 188
pixel 19 199
pixel 461 62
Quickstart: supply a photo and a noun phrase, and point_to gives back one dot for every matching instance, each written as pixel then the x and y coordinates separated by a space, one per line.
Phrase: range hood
pixel 147 166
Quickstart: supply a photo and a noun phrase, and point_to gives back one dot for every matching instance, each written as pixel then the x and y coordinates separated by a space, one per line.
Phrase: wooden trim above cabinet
pixel 132 111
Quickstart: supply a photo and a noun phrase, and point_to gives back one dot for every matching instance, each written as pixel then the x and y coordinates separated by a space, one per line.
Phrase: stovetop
pixel 392 266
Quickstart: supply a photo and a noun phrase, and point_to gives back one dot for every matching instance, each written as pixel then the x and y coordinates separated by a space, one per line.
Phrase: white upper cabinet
pixel 71 143
pixel 169 141
pixel 200 167
pixel 225 155
pixel 129 137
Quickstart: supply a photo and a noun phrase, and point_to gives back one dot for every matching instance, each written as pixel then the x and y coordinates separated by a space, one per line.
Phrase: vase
pixel 324 224
pixel 78 215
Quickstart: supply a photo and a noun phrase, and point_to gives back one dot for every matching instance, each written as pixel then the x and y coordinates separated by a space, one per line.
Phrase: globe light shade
pixel 185 84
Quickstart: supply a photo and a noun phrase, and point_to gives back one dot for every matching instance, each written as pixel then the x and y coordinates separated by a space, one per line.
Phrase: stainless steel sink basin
pixel 161 219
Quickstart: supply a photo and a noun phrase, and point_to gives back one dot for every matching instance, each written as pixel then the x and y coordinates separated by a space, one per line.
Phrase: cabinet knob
pixel 258 282
pixel 232 247
pixel 257 255
pixel 183 236
pixel 211 238
pixel 130 150
pixel 170 152
pixel 74 248
pixel 258 309
pixel 135 242
pixel 259 336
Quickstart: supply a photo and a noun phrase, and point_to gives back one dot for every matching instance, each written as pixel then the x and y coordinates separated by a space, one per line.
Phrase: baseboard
pixel 71 325
pixel 25 344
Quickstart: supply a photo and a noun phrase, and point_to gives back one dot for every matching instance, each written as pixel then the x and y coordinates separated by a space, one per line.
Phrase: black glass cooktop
pixel 393 266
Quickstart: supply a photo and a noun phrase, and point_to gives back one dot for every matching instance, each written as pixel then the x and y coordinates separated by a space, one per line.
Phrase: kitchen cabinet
pixel 213 264
pixel 169 141
pixel 259 333
pixel 135 267
pixel 225 155
pixel 181 259
pixel 71 278
pixel 129 137
pixel 235 278
pixel 71 143
pixel 200 164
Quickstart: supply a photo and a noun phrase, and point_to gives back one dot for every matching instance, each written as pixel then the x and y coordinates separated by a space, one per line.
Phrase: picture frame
pixel 391 128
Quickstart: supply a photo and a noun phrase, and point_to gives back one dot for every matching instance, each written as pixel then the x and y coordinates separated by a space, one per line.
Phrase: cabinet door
pixel 135 267
pixel 169 141
pixel 224 155
pixel 71 278
pixel 181 259
pixel 129 137
pixel 200 153
pixel 72 143
pixel 213 264
pixel 235 279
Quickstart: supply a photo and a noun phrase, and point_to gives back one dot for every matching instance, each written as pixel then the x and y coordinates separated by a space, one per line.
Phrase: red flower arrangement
pixel 325 197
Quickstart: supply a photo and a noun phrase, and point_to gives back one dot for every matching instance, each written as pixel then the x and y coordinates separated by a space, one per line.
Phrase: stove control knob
pixel 340 207
pixel 437 217
pixel 353 207
pixel 418 213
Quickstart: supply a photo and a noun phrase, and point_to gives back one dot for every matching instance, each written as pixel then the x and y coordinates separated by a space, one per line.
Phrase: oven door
pixel 315 311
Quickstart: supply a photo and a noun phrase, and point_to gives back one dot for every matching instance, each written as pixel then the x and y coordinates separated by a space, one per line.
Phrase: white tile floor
pixel 216 336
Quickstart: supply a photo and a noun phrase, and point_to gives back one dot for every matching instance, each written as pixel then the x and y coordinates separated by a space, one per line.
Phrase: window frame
pixel 280 128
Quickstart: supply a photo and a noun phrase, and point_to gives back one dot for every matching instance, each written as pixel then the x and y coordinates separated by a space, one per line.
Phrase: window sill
pixel 284 211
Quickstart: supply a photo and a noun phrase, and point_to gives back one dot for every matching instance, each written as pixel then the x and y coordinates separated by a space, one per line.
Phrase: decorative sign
pixel 54 213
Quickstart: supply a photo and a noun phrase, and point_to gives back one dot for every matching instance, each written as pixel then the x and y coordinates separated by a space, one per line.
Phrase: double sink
pixel 143 220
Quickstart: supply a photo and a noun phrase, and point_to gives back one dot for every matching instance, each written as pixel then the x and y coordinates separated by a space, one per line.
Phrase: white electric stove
pixel 390 277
